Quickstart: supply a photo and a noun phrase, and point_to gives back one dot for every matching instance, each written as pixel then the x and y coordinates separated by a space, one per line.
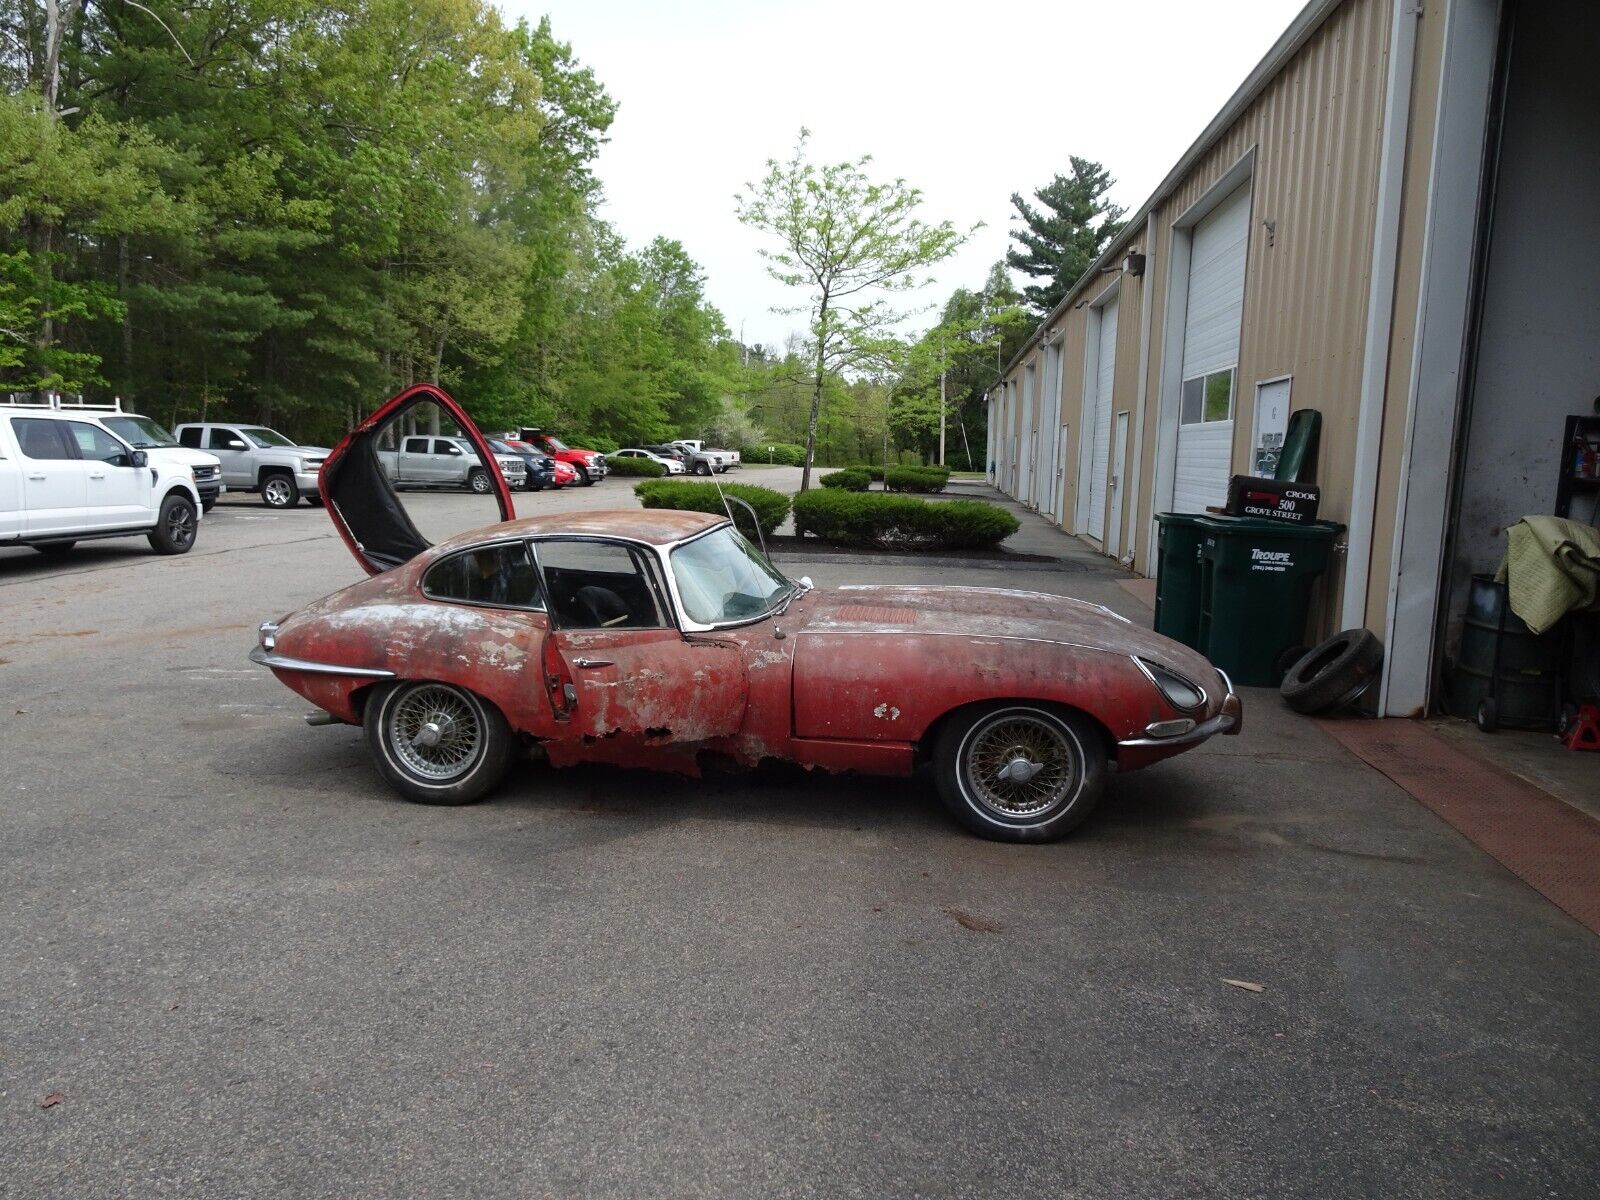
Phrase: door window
pixel 599 585
pixel 440 446
pixel 220 439
pixel 95 443
pixel 42 440
pixel 190 437
pixel 416 445
pixel 501 576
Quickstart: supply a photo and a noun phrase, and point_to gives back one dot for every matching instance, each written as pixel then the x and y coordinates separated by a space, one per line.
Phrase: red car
pixel 565 475
pixel 654 638
pixel 589 465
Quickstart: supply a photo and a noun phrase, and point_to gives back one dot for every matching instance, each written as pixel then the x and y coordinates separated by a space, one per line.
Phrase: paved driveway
pixel 249 970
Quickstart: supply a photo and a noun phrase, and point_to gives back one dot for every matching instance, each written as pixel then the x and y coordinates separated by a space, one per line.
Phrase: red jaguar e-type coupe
pixel 654 638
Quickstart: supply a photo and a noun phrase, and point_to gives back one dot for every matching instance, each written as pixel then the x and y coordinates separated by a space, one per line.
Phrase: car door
pixel 449 462
pixel 414 460
pixel 55 486
pixel 361 499
pixel 10 485
pixel 232 449
pixel 117 494
pixel 617 665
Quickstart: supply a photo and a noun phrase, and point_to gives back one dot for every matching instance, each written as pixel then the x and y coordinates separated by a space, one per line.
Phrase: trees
pixel 1061 239
pixel 851 242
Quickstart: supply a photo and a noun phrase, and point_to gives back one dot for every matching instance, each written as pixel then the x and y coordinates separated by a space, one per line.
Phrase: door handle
pixel 593 662
pixel 97 475
pixel 36 478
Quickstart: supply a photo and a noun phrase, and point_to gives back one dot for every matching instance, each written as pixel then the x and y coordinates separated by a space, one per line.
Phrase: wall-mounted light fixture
pixel 1134 263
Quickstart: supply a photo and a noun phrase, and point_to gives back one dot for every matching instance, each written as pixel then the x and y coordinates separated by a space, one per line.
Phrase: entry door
pixel 1030 420
pixel 54 483
pixel 1047 486
pixel 1114 485
pixel 1211 355
pixel 1105 380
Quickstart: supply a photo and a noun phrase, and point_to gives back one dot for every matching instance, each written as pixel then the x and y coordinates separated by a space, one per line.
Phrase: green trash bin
pixel 1256 576
pixel 1178 577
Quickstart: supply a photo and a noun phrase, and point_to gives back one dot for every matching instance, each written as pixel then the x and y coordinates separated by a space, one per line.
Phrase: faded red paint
pixel 851 678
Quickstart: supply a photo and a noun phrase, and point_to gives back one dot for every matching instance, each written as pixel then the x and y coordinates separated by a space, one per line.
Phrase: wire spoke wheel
pixel 1021 766
pixel 434 733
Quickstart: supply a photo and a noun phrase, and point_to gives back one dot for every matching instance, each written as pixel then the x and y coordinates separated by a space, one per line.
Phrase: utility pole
pixel 941 418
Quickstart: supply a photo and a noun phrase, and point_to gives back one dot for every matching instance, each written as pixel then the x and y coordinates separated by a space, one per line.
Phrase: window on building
pixel 1208 398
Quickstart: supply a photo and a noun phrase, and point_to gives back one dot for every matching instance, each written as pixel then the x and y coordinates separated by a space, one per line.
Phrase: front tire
pixel 436 743
pixel 584 478
pixel 280 491
pixel 1021 771
pixel 175 527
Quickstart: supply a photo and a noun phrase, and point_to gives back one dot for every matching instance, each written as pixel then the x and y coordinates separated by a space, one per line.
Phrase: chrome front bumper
pixel 1230 719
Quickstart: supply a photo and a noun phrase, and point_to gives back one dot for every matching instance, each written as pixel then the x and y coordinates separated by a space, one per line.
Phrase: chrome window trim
pixel 686 622
pixel 652 578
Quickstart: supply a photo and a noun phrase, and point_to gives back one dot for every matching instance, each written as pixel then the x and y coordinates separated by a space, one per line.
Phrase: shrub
pixel 851 479
pixel 771 507
pixel 783 454
pixel 599 443
pixel 878 519
pixel 916 479
pixel 647 467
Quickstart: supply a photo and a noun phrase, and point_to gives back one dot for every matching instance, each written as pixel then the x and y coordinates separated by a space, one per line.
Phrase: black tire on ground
pixel 1064 753
pixel 470 751
pixel 478 481
pixel 586 479
pixel 1328 673
pixel 279 490
pixel 1488 715
pixel 175 527
pixel 55 548
pixel 1281 664
pixel 702 468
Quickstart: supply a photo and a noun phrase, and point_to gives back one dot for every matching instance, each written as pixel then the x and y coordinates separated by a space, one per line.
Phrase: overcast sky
pixel 967 102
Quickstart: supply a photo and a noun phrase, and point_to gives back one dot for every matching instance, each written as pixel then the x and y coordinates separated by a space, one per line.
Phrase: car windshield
pixel 554 443
pixel 140 432
pixel 721 577
pixel 262 436
pixel 500 447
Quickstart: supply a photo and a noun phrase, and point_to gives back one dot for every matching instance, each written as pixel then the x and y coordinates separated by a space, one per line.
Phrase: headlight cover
pixel 1177 690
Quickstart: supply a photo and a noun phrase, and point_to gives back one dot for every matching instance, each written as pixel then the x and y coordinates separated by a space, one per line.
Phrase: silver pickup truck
pixel 446 462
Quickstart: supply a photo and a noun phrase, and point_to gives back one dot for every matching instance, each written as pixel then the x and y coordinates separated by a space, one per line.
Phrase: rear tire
pixel 435 743
pixel 279 490
pixel 175 527
pixel 1060 762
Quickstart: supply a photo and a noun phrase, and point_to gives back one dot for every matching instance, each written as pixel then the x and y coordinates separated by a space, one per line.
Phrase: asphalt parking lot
pixel 247 969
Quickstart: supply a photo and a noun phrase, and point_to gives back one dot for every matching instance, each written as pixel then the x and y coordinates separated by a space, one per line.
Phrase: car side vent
pixel 877 614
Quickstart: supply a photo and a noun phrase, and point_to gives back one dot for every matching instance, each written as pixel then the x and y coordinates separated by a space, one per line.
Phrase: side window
pixel 190 437
pixel 218 439
pixel 42 440
pixel 501 575
pixel 416 446
pixel 95 443
pixel 441 446
pixel 598 585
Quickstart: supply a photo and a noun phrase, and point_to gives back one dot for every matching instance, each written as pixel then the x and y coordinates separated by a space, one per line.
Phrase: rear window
pixel 190 437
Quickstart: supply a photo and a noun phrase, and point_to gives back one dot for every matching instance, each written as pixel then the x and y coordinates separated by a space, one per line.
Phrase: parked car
pixel 653 637
pixel 673 465
pixel 566 475
pixel 143 433
pixel 257 459
pixel 541 467
pixel 729 457
pixel 700 462
pixel 65 478
pixel 590 466
pixel 431 461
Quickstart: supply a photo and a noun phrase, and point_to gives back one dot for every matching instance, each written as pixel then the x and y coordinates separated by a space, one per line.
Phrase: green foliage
pixel 916 479
pixel 850 243
pixel 1061 240
pixel 850 480
pixel 783 454
pixel 870 519
pixel 647 468
pixel 771 507
pixel 598 442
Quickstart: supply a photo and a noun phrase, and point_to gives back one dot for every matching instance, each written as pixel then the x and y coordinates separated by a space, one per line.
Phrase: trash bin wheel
pixel 1333 673
pixel 1488 716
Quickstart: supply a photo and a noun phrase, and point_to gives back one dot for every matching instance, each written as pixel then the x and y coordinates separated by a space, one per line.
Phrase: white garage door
pixel 1211 355
pixel 1105 377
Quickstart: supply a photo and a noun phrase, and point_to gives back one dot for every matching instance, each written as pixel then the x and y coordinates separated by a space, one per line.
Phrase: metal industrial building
pixel 1396 221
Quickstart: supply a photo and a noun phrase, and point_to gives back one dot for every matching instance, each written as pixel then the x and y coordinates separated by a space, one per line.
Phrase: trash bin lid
pixel 1268 527
pixel 1173 518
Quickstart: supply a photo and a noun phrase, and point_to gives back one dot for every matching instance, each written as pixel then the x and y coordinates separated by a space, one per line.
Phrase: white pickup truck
pixel 432 461
pixel 64 479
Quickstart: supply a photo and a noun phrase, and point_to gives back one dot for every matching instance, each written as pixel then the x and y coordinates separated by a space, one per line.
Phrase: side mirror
pixel 140 460
pixel 236 444
pixel 805 582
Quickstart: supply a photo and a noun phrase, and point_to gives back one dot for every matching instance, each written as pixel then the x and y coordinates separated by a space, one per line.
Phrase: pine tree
pixel 1061 239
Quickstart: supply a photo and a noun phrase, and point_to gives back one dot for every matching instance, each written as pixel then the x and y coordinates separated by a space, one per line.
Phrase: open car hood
pixel 362 502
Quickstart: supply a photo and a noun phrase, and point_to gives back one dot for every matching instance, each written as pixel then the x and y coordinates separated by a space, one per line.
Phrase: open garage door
pixel 1211 354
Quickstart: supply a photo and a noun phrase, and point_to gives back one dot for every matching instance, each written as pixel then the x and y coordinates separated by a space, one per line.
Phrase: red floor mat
pixel 1549 845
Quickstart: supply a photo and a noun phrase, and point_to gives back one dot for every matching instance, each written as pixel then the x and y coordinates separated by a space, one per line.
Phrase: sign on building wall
pixel 1271 424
